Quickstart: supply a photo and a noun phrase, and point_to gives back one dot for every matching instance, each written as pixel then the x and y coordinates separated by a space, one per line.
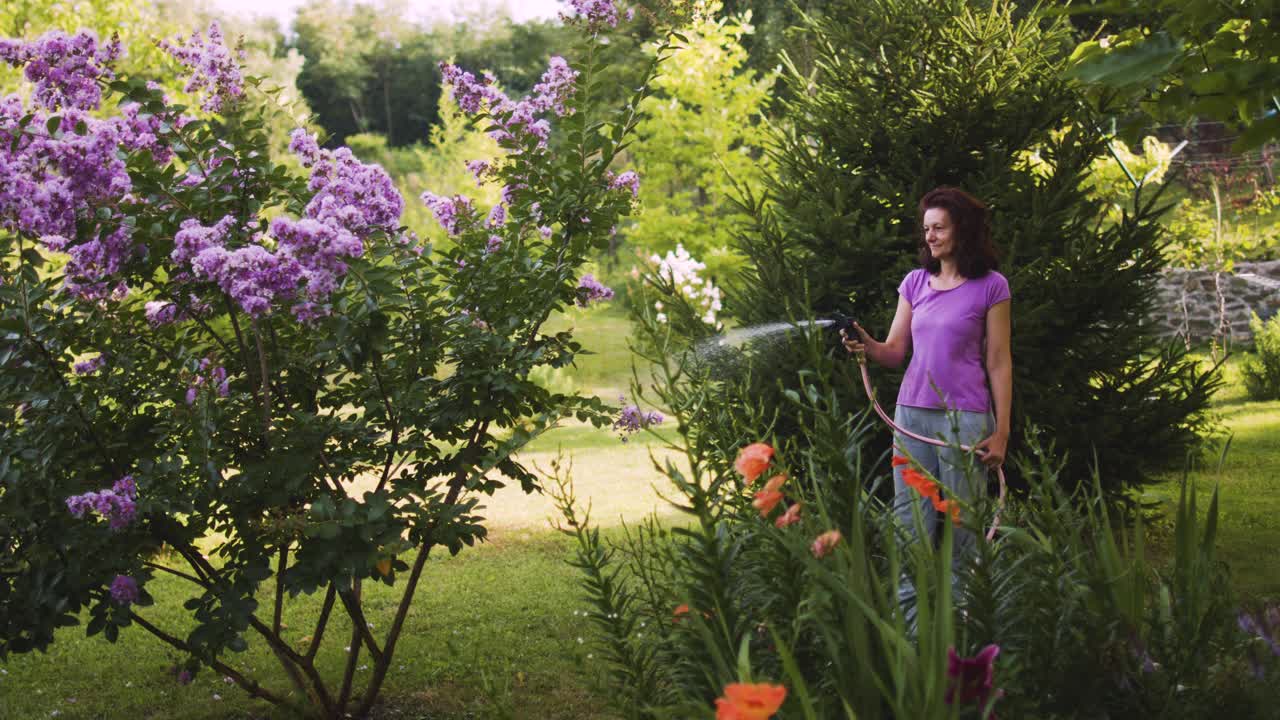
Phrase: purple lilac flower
pixel 64 68
pixel 117 505
pixel 358 197
pixel 216 378
pixel 449 211
pixel 596 13
pixel 304 145
pixel 632 420
pixel 308 312
pixel 497 215
pixel 49 181
pixel 214 70
pixel 517 121
pixel 193 238
pixel 159 312
pixel 471 95
pixel 124 590
pixel 141 130
pixel 970 679
pixel 629 180
pixel 545 231
pixel 494 244
pixel 590 290
pixel 479 168
pixel 90 366
pixel 558 83
pixel 252 275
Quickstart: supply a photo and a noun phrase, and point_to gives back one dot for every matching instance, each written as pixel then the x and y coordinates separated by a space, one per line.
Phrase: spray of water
pixel 756 334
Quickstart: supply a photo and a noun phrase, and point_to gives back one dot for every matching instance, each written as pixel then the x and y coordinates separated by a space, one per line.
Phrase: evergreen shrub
pixel 907 95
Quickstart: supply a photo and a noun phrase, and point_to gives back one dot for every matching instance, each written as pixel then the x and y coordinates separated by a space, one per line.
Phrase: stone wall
pixel 1188 301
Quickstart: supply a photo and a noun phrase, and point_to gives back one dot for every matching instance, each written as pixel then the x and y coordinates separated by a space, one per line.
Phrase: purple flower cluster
pixel 516 119
pixel 1263 629
pixel 360 198
pixel 124 590
pixel 497 215
pixel 65 69
pixel 629 180
pixel 479 168
pixel 558 83
pixel 117 505
pixel 352 200
pixel 91 365
pixel 596 13
pixel 633 420
pixel 493 245
pixel 48 181
pixel 590 290
pixel 142 130
pixel 214 70
pixel 217 379
pixel 449 212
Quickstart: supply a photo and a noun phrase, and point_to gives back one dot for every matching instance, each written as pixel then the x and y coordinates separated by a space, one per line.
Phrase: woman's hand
pixel 860 344
pixel 991 451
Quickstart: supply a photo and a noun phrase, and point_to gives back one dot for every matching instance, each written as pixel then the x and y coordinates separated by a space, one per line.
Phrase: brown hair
pixel 975 253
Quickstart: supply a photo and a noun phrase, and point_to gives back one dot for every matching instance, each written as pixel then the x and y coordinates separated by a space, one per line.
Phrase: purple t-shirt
pixel 948 328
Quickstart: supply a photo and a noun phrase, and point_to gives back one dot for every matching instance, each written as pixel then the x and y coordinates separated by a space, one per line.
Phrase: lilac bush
pixel 198 342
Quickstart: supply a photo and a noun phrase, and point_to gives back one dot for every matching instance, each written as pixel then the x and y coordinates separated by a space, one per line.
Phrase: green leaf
pixel 1136 64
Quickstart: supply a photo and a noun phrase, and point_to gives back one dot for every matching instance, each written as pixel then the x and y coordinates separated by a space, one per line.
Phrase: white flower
pixel 216 696
pixel 660 317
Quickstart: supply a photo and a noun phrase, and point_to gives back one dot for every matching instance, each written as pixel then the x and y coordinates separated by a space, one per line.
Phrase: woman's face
pixel 939 233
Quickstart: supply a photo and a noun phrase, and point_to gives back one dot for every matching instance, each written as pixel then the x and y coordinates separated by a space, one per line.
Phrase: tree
pixel 702 133
pixel 1180 59
pixel 198 344
pixel 910 96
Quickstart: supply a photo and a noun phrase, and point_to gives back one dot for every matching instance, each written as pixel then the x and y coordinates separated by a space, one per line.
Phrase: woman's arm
pixel 891 352
pixel 1000 375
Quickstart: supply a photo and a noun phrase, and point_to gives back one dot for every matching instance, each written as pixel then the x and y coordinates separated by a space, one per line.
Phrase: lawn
pixel 494 631
pixel 1249 488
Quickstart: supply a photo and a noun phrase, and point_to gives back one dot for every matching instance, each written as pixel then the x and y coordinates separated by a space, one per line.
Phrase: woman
pixel 953 317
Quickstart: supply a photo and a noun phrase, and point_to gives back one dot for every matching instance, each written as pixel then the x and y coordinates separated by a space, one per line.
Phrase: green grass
pixel 1249 488
pixel 492 634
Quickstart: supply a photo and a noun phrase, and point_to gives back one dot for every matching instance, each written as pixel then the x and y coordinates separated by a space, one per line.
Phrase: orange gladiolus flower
pixel 766 501
pixel 826 542
pixel 790 517
pixel 928 488
pixel 750 701
pixel 951 508
pixel 681 610
pixel 898 460
pixel 775 483
pixel 753 460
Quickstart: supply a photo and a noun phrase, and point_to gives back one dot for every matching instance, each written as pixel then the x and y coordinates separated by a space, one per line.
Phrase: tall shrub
pixel 261 373
pixel 702 131
pixel 909 95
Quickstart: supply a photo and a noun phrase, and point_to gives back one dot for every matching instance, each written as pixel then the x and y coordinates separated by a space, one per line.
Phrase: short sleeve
pixel 910 286
pixel 997 288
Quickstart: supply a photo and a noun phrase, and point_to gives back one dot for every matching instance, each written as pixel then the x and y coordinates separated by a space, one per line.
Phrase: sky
pixel 519 10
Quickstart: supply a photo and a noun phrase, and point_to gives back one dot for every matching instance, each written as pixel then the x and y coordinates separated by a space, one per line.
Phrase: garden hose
pixel 871 395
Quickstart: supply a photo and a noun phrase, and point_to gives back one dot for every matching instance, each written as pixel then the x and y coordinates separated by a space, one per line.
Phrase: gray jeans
pixel 959 473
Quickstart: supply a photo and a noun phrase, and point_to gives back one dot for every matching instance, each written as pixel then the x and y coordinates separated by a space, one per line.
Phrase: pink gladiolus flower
pixel 970 679
pixel 825 543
